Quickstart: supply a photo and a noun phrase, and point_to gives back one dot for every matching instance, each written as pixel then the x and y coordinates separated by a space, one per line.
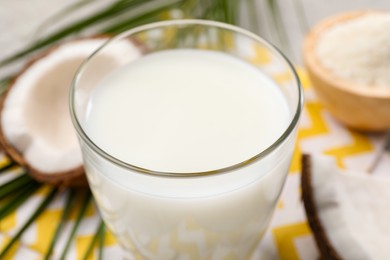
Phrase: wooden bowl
pixel 362 108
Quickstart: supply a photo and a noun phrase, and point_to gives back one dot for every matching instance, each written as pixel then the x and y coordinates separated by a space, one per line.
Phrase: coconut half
pixel 349 212
pixel 35 125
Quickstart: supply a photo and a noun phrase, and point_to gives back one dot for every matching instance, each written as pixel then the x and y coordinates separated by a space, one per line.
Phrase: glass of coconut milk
pixel 187 129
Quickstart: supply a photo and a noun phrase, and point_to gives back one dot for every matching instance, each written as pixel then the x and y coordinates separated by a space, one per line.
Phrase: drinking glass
pixel 216 214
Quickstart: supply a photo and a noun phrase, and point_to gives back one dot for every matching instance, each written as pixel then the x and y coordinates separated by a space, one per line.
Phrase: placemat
pixel 288 237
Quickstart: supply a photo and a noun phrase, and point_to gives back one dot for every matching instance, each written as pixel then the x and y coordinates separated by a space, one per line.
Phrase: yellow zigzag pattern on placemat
pixel 46 223
pixel 360 144
pixel 284 239
pixel 8 223
pixel 82 243
pixel 261 55
pixel 4 160
pixel 318 127
pixel 304 78
pixel 45 226
pixel 10 254
pixel 318 124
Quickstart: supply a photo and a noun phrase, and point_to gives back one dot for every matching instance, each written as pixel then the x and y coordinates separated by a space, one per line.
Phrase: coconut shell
pixel 320 236
pixel 74 177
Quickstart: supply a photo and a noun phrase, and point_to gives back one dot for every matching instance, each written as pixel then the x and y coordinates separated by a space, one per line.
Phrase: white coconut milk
pixel 187 111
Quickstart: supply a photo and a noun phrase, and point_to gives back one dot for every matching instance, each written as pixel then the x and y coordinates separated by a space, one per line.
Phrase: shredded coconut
pixel 358 50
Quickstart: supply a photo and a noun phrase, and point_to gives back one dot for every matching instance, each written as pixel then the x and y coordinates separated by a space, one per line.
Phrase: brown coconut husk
pixel 323 243
pixel 73 177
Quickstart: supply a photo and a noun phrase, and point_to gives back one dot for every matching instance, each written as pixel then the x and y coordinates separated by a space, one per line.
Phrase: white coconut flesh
pixel 352 208
pixel 35 116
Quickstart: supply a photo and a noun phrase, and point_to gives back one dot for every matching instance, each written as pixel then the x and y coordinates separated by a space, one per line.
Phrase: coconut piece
pixel 35 125
pixel 348 212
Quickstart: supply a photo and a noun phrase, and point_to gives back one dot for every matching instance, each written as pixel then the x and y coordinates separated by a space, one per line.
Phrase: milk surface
pixel 187 111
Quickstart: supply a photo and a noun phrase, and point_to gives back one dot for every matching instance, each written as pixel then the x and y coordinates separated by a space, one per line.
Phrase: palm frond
pixel 65 214
pixel 32 218
pixel 19 199
pixel 153 13
pixel 80 216
pixel 221 10
pixel 102 235
pixel 58 16
pixel 3 87
pixel 14 185
pixel 302 18
pixel 94 240
pixel 278 23
pixel 115 9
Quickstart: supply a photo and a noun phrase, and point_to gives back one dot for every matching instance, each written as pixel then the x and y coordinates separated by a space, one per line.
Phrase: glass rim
pixel 82 134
